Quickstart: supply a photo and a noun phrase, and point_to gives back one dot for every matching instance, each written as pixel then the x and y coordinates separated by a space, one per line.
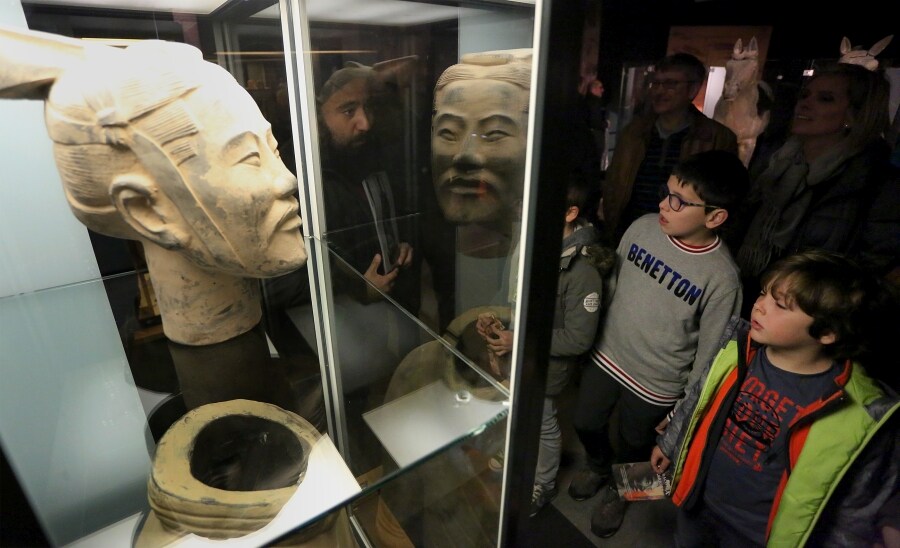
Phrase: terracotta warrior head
pixel 155 144
pixel 479 136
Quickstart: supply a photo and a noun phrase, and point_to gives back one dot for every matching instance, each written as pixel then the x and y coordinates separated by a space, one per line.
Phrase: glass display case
pixel 363 408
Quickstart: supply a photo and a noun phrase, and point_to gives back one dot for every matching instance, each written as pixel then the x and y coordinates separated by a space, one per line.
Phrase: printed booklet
pixel 381 202
pixel 638 481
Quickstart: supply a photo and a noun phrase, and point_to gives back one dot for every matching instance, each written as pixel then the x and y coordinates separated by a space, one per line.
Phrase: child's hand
pixel 483 324
pixel 658 460
pixel 488 325
pixel 499 340
pixel 404 255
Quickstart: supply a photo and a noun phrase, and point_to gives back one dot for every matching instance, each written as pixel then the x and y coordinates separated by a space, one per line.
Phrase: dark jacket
pixel 840 217
pixel 351 235
pixel 631 147
pixel 584 264
pixel 855 211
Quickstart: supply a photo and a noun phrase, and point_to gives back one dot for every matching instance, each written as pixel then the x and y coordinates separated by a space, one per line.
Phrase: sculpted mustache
pixel 289 214
pixel 290 211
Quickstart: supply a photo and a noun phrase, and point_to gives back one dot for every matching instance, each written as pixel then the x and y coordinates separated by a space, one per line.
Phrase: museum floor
pixel 567 523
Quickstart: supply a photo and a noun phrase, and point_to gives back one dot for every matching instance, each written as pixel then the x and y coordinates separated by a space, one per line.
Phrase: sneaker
pixel 586 483
pixel 608 515
pixel 495 463
pixel 541 497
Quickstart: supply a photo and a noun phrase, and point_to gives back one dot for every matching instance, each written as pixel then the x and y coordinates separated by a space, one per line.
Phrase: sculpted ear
pixel 752 47
pixel 845 46
pixel 879 46
pixel 149 211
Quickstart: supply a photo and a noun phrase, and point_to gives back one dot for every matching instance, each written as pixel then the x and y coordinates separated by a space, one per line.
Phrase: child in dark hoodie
pixel 584 266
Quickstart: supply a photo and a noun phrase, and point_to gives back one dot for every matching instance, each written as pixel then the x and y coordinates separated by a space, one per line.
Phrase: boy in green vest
pixel 786 440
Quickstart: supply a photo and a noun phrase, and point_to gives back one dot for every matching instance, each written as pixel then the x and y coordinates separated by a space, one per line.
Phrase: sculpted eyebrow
pixel 501 118
pixel 446 117
pixel 239 140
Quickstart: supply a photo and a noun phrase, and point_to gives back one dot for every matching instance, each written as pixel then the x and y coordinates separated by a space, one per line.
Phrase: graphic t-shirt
pixel 752 453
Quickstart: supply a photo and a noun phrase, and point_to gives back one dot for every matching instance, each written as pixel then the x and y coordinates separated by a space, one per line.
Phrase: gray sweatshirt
pixel 670 306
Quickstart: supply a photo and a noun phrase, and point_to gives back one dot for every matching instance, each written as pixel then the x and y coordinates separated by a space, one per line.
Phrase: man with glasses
pixel 668 130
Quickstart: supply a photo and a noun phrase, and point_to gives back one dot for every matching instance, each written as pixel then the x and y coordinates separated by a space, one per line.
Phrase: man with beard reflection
pixel 361 202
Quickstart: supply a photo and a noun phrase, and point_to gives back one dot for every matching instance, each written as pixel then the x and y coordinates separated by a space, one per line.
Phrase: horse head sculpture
pixel 738 107
pixel 858 55
pixel 741 69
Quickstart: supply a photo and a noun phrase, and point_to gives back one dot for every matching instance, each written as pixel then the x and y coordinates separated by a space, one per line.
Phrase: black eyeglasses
pixel 668 85
pixel 677 203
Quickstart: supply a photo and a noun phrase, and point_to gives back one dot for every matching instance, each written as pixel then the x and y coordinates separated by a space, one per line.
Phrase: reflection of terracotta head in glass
pixel 479 136
pixel 153 143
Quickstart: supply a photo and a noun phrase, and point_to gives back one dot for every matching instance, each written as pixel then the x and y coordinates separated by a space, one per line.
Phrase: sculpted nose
pixel 469 155
pixel 285 182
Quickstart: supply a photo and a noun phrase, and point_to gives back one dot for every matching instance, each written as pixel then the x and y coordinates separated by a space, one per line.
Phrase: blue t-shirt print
pixel 752 452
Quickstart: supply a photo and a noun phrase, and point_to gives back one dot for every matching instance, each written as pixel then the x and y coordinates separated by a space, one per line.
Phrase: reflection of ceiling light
pixel 370 12
pixel 316 52
pixel 251 53
pixel 375 12
pixel 119 42
pixel 125 42
pixel 179 6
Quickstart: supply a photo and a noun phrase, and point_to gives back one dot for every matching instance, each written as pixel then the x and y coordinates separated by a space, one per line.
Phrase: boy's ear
pixel 715 218
pixel 572 214
pixel 827 338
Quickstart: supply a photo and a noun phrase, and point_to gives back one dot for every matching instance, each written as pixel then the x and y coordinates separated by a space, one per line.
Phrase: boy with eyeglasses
pixel 676 288
pixel 668 130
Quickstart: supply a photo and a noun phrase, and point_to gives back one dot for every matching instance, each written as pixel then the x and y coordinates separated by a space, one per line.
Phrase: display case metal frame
pixel 553 97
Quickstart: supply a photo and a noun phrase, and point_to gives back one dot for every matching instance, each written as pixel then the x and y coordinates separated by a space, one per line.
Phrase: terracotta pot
pixel 226 469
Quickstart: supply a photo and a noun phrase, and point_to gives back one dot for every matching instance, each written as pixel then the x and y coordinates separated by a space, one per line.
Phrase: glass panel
pixel 422 424
pixel 72 424
pixel 375 144
pixel 420 201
